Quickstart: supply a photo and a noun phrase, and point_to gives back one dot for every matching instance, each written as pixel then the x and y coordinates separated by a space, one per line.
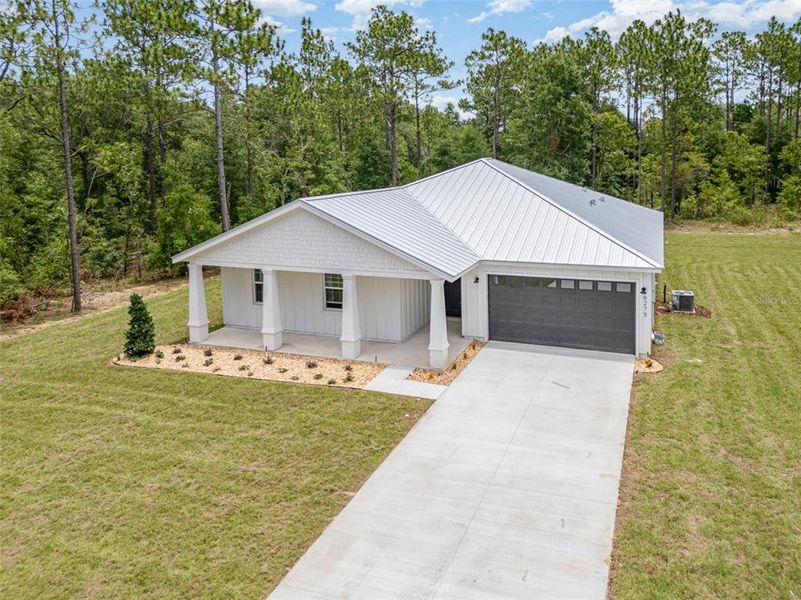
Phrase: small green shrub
pixel 311 364
pixel 294 378
pixel 348 378
pixel 283 370
pixel 318 375
pixel 207 362
pixel 180 357
pixel 159 354
pixel 243 367
pixel 332 381
pixel 140 337
pixel 349 368
pixel 176 350
pixel 268 361
pixel 207 352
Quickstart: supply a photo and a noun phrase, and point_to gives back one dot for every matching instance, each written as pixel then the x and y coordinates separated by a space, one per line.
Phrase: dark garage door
pixel 596 315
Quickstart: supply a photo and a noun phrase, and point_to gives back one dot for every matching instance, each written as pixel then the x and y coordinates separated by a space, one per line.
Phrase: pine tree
pixel 139 339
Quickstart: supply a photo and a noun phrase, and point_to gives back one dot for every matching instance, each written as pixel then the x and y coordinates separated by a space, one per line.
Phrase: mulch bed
pixel 700 311
pixel 452 371
pixel 254 364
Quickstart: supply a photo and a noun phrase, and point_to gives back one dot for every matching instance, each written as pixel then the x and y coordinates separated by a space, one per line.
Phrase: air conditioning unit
pixel 682 301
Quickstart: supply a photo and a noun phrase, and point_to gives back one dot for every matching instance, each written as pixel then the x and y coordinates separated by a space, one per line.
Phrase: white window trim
pixel 329 287
pixel 255 283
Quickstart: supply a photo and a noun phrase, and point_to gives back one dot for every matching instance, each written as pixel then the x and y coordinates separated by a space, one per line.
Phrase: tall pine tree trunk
pixel 248 149
pixel 218 138
pixel 663 152
pixel 418 137
pixel 75 258
pixel 393 142
pixel 496 119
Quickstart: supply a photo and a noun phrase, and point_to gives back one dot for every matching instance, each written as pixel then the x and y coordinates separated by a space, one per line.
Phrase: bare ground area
pixel 275 366
pixel 96 298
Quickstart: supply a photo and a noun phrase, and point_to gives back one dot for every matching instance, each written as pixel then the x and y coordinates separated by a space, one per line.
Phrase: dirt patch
pixel 452 371
pixel 55 310
pixel 254 364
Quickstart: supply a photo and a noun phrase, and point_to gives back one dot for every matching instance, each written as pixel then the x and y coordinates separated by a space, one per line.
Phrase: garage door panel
pixel 596 315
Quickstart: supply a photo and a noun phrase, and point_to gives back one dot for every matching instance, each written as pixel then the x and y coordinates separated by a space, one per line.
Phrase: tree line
pixel 136 131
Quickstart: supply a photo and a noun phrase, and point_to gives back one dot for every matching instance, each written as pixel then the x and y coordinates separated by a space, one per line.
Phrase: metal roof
pixel 490 210
pixel 395 218
pixel 638 227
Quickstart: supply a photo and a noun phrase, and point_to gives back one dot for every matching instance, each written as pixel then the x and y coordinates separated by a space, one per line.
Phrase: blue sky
pixel 459 24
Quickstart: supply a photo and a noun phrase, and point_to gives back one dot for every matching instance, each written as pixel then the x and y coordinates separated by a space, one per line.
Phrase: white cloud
pixel 360 9
pixel 285 8
pixel 440 102
pixel 279 26
pixel 423 23
pixel 497 7
pixel 729 15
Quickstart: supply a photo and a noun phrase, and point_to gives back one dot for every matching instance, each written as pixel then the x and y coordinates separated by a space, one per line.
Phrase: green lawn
pixel 711 495
pixel 120 482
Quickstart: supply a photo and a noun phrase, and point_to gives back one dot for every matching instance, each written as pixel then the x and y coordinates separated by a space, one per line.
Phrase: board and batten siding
pixel 390 309
pixel 475 296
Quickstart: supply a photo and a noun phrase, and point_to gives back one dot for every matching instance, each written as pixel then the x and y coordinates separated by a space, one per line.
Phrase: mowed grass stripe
pixel 122 482
pixel 711 500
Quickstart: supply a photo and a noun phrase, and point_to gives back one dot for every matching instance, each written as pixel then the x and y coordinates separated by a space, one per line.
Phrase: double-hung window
pixel 332 288
pixel 258 286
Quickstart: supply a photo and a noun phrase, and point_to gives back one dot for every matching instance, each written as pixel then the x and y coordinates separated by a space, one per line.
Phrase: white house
pixel 516 255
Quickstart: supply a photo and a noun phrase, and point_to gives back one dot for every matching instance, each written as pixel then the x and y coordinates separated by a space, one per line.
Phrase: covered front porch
pixel 413 352
pixel 366 316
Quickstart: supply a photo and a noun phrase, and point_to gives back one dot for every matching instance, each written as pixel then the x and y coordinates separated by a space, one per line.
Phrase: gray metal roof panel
pixel 395 218
pixel 638 227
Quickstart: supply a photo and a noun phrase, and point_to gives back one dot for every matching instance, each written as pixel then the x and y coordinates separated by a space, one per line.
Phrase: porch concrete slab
pixel 413 352
pixel 506 488
pixel 393 380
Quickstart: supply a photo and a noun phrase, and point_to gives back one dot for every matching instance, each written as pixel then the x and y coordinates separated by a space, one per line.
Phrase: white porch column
pixel 438 328
pixel 198 316
pixel 351 330
pixel 271 326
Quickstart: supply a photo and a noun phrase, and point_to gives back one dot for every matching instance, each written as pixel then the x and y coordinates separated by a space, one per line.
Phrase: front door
pixel 453 298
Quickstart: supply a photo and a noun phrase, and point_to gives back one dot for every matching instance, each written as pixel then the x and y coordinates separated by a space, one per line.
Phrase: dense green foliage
pixel 187 116
pixel 140 339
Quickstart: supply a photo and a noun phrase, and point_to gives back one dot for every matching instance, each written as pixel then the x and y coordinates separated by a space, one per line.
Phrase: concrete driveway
pixel 506 488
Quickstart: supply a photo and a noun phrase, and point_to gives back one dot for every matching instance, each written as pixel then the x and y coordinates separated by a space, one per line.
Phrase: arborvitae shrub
pixel 140 337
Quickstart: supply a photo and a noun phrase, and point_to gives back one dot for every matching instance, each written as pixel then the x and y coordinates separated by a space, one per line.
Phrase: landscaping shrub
pixel 207 352
pixel 140 337
pixel 237 357
pixel 268 361
pixel 318 375
pixel 310 364
pixel 332 381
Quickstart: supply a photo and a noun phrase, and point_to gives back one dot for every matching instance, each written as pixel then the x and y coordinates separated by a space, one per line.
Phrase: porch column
pixel 438 328
pixel 271 326
pixel 198 316
pixel 351 330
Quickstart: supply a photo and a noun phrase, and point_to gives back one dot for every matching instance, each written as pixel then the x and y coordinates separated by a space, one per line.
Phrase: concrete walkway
pixel 392 380
pixel 506 488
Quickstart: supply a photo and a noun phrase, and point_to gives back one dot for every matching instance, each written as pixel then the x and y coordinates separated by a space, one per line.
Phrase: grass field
pixel 144 483
pixel 711 494
pixel 131 483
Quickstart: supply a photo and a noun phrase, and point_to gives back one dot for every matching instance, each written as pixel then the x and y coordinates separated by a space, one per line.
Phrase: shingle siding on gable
pixel 300 239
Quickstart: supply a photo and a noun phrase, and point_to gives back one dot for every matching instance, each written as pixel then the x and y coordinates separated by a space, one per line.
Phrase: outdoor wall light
pixel 475 280
pixel 642 290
